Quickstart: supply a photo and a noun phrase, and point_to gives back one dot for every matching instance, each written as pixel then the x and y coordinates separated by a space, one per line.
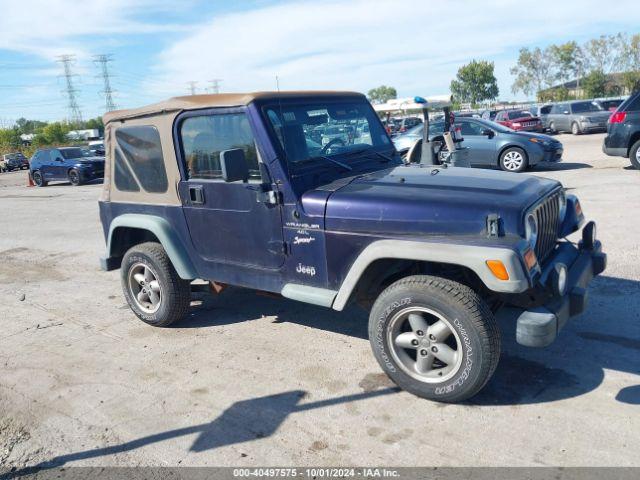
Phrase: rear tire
pixel 152 287
pixel 634 155
pixel 435 338
pixel 552 128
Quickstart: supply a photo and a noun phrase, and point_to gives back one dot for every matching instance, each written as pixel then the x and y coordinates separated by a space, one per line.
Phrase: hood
pixel 541 136
pixel 90 160
pixel 414 200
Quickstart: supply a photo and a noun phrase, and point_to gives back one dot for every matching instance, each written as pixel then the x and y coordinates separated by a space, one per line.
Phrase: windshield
pixel 581 107
pixel 308 132
pixel 519 114
pixel 71 153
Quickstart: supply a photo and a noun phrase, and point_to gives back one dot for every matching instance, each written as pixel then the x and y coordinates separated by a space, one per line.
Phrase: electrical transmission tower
pixel 192 87
pixel 102 61
pixel 74 110
pixel 215 85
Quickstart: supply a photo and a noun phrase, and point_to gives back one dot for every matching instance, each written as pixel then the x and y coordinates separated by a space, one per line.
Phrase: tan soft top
pixel 192 102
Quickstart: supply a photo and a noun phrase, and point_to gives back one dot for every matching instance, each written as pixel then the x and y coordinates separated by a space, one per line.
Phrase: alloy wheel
pixel 144 288
pixel 424 344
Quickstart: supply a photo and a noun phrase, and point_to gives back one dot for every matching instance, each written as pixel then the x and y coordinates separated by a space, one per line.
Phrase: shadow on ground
pixel 243 421
pixel 555 167
pixel 606 336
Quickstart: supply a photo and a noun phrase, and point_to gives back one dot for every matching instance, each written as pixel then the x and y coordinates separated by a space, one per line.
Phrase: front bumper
pixel 553 154
pixel 588 126
pixel 539 326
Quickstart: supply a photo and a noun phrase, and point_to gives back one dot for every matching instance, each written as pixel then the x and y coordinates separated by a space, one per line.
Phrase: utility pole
pixel 74 110
pixel 215 85
pixel 192 87
pixel 102 62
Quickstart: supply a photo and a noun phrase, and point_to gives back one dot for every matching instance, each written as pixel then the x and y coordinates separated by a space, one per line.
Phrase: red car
pixel 520 120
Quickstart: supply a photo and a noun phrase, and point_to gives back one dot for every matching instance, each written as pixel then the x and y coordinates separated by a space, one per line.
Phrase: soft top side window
pixel 139 161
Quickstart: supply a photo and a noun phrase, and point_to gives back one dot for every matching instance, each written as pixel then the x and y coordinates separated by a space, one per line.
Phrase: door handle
pixel 196 195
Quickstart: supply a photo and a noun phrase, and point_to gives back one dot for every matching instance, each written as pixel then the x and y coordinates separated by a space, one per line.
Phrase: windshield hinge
pixel 494 225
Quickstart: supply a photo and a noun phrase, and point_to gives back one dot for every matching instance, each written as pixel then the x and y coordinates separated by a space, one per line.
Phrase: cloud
pixel 415 45
pixel 53 27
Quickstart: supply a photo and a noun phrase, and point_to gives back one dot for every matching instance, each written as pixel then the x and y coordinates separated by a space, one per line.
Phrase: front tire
pixel 514 159
pixel 38 179
pixel 552 128
pixel 634 155
pixel 74 177
pixel 435 338
pixel 152 287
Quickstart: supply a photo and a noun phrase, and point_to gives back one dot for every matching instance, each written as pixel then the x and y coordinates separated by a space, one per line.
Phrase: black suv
pixel 623 131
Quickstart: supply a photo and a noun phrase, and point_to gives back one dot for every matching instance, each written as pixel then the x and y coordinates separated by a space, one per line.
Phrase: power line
pixel 215 85
pixel 102 61
pixel 74 110
pixel 192 87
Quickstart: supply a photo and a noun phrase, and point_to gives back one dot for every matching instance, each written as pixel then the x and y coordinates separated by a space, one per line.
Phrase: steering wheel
pixel 333 141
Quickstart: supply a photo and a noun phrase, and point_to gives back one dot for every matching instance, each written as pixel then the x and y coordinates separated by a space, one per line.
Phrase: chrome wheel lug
pixel 424 353
pixel 432 337
pixel 434 349
pixel 414 342
pixel 420 333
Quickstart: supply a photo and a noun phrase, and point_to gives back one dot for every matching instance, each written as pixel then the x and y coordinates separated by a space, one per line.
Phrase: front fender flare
pixel 470 256
pixel 165 233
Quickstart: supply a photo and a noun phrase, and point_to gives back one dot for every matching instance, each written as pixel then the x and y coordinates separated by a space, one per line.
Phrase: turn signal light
pixel 618 117
pixel 530 259
pixel 498 269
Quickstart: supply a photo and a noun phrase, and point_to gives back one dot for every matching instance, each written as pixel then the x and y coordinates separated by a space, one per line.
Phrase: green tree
pixel 94 123
pixel 604 53
pixel 630 62
pixel 475 83
pixel 533 71
pixel 595 84
pixel 29 126
pixel 567 60
pixel 382 94
pixel 54 133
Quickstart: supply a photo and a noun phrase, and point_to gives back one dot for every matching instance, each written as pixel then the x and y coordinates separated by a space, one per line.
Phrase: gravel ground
pixel 252 380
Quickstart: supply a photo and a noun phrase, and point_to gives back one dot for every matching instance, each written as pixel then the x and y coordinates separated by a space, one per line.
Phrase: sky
pixel 158 46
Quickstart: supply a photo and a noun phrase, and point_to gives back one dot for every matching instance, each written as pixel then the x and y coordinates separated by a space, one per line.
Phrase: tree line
pixel 538 71
pixel 44 134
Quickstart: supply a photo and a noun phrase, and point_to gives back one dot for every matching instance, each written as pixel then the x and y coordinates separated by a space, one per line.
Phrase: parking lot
pixel 255 380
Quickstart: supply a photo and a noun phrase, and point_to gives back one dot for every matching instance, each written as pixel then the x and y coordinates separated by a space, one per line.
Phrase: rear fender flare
pixel 164 232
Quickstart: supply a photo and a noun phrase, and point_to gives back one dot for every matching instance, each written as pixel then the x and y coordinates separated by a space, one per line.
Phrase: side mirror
pixel 59 159
pixel 234 166
pixel 488 132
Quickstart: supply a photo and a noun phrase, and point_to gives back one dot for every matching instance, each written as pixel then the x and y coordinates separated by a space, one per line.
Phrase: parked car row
pixel 577 116
pixel 492 144
pixel 13 161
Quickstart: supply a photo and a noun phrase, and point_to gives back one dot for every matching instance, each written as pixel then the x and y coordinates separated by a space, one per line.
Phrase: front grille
pixel 548 216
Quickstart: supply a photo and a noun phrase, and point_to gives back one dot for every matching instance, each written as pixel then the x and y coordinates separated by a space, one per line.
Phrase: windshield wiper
pixel 332 160
pixel 385 158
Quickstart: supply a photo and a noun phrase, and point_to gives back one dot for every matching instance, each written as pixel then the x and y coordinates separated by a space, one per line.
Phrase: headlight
pixel 562 205
pixel 531 229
